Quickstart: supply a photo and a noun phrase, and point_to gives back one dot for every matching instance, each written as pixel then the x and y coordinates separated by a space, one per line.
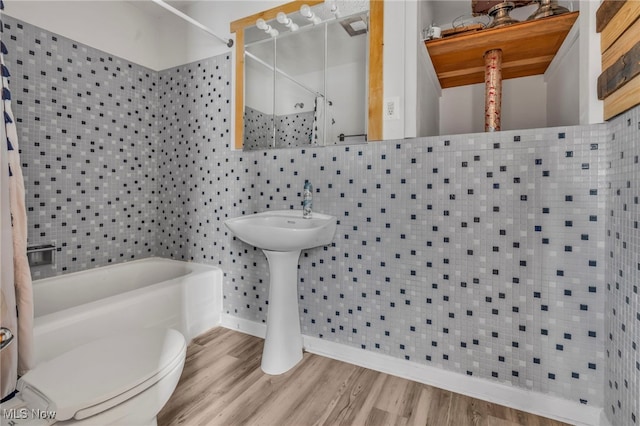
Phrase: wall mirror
pixel 306 81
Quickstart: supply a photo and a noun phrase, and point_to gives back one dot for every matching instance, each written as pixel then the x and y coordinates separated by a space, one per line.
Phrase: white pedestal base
pixel 283 342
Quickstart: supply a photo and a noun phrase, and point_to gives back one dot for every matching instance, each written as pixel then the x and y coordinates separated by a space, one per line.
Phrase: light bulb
pixel 286 21
pixel 334 7
pixel 261 24
pixel 305 11
pixel 282 18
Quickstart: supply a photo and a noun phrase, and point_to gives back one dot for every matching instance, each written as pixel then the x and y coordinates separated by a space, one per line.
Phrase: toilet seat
pixel 97 376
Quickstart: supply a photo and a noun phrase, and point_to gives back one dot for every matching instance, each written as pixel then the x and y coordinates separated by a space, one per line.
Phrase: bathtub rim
pixel 120 264
pixel 65 316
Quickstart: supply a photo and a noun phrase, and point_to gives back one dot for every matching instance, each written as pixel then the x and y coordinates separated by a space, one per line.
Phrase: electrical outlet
pixel 391 109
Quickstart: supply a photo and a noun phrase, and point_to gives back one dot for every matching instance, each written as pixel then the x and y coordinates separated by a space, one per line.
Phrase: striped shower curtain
pixel 16 294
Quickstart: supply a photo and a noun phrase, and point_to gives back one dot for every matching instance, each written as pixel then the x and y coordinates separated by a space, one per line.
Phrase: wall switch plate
pixel 391 108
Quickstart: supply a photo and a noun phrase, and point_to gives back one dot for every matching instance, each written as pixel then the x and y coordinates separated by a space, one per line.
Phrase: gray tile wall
pixel 622 377
pixel 86 123
pixel 477 253
pixel 291 129
pixel 258 129
pixel 481 254
pixel 294 129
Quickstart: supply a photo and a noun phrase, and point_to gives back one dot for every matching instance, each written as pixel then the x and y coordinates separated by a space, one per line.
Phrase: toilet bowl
pixel 118 380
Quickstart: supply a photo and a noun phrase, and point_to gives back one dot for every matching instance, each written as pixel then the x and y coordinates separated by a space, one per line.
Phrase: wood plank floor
pixel 222 384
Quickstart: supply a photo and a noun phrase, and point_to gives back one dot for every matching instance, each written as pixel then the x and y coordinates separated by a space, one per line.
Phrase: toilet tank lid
pixel 103 369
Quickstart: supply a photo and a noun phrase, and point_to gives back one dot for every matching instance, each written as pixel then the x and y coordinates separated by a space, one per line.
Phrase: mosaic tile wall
pixel 291 129
pixel 481 254
pixel 622 378
pixel 478 254
pixel 258 129
pixel 86 123
pixel 193 146
pixel 294 129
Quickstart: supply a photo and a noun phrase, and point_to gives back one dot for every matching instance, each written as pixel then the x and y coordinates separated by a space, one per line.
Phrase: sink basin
pixel 283 230
pixel 282 235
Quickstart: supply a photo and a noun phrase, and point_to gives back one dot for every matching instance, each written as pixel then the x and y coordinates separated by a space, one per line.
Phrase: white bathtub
pixel 76 308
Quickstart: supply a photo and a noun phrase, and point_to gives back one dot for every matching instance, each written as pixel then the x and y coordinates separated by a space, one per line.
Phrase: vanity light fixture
pixel 305 11
pixel 286 21
pixel 261 24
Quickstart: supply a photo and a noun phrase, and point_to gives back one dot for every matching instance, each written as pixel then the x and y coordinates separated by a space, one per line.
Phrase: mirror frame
pixel 375 90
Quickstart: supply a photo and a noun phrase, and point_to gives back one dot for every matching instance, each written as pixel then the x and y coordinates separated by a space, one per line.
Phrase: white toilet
pixel 118 380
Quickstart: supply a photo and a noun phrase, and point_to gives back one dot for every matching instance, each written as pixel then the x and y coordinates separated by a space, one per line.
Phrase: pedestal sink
pixel 282 235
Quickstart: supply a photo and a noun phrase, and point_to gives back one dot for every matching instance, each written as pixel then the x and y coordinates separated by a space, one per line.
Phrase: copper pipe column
pixel 492 90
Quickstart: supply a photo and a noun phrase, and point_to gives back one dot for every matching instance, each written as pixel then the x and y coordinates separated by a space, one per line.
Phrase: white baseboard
pixel 487 390
pixel 246 326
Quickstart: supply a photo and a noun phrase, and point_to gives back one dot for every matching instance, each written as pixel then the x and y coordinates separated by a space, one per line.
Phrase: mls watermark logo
pixel 13 415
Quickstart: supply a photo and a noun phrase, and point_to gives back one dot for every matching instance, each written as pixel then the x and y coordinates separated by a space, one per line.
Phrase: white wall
pixel 563 86
pixel 421 88
pixel 217 15
pixel 261 79
pixel 346 94
pixel 428 90
pixel 289 93
pixel 411 36
pixel 590 66
pixel 407 71
pixel 524 103
pixel 119 28
pixel 140 31
pixel 428 105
